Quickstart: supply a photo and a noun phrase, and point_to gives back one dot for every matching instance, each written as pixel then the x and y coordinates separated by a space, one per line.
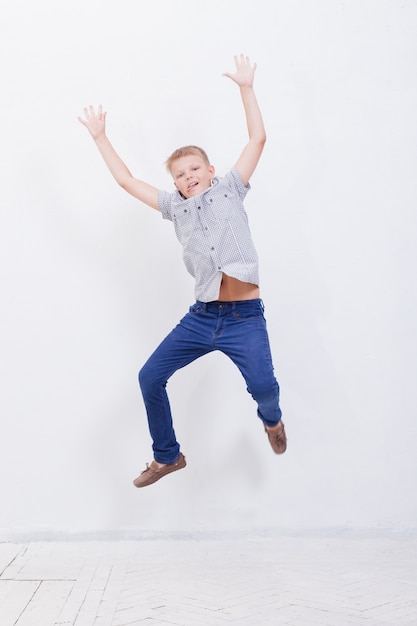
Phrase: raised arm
pixel 244 77
pixel 96 125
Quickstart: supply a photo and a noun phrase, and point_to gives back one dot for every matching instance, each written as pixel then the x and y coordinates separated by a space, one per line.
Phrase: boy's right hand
pixel 94 122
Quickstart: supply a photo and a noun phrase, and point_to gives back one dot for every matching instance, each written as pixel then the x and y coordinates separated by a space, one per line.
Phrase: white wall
pixel 91 280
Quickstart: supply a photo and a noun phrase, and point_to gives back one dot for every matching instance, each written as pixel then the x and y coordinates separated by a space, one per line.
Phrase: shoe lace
pixel 146 469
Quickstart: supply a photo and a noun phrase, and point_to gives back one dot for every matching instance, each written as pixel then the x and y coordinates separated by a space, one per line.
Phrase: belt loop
pixel 203 305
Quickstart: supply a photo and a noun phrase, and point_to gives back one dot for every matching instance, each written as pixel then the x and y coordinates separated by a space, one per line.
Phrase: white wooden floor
pixel 336 579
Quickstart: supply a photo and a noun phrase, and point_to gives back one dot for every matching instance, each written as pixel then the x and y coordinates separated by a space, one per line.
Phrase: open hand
pixel 245 73
pixel 94 122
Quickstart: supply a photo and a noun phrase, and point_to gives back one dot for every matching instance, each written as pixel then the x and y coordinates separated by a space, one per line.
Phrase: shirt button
pixel 199 207
pixel 212 248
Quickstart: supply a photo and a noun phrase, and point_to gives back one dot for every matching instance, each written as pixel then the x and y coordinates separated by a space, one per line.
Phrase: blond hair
pixel 185 151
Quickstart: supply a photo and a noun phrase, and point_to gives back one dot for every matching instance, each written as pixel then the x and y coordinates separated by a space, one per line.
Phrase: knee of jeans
pixel 149 380
pixel 144 377
pixel 262 390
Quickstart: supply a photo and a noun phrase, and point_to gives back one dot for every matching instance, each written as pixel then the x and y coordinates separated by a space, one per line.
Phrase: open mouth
pixel 191 186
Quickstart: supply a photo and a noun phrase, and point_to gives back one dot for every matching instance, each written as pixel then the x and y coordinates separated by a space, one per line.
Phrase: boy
pixel 211 223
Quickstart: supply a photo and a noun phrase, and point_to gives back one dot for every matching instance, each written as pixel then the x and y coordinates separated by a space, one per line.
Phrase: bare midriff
pixel 233 289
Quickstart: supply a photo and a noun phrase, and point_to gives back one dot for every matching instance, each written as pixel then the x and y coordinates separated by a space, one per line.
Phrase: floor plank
pixel 15 596
pixel 46 603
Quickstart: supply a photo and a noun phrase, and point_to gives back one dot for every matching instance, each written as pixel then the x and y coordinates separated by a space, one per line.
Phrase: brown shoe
pixel 277 438
pixel 153 472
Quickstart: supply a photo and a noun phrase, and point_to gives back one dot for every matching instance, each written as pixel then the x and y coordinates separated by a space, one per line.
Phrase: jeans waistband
pixel 234 305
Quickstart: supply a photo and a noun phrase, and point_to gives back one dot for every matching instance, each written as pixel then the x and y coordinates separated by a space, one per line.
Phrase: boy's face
pixel 191 175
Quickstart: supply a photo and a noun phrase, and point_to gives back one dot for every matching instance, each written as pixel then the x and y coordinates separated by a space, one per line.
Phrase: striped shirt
pixel 214 232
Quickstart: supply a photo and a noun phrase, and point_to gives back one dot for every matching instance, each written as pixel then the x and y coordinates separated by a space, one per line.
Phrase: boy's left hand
pixel 245 73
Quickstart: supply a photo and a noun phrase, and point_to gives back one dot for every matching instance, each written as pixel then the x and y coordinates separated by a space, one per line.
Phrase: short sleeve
pixel 165 204
pixel 235 181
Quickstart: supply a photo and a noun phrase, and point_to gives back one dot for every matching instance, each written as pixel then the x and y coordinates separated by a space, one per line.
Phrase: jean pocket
pixel 250 311
pixel 195 309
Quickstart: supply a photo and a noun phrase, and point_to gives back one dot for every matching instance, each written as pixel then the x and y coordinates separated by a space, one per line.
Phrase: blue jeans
pixel 238 329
